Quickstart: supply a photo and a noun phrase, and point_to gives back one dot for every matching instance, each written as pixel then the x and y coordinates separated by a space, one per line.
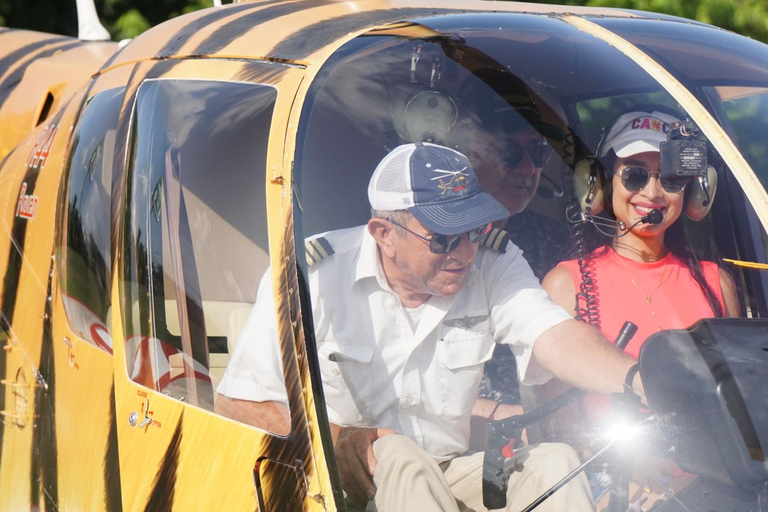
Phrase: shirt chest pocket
pixel 461 350
pixel 461 356
pixel 346 374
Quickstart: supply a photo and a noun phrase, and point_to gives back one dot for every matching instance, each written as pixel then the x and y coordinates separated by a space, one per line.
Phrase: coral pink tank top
pixel 663 296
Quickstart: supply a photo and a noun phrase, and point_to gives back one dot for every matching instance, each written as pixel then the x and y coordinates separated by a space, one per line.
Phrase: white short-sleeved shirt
pixel 376 370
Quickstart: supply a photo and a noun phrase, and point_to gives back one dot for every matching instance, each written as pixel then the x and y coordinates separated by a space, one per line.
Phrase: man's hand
pixel 354 455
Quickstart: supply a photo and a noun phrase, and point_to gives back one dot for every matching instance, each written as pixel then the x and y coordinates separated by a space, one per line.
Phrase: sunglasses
pixel 514 153
pixel 635 178
pixel 441 244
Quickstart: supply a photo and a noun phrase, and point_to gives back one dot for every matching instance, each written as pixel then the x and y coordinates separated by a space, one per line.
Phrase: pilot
pixel 406 310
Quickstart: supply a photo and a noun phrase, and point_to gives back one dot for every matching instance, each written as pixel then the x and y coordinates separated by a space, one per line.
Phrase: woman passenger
pixel 648 274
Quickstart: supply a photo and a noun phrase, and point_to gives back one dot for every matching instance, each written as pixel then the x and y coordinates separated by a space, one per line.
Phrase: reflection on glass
pixel 746 109
pixel 88 258
pixel 498 92
pixel 197 227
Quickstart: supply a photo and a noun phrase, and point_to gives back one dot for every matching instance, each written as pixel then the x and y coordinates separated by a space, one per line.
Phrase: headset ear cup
pixel 698 202
pixel 585 169
pixel 421 114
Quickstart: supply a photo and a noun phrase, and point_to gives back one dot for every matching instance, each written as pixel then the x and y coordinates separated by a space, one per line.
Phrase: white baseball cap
pixel 637 132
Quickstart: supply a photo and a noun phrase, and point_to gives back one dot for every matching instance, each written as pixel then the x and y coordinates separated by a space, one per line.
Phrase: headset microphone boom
pixel 575 215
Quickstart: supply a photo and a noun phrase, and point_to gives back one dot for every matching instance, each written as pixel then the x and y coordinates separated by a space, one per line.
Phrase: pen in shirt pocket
pixel 337 357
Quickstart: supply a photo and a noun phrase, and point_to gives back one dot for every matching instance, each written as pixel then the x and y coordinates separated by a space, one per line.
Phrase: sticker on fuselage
pixel 27 206
pixel 42 148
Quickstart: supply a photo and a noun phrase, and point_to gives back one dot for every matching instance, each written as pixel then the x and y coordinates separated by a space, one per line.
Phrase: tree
pixel 745 17
pixel 123 18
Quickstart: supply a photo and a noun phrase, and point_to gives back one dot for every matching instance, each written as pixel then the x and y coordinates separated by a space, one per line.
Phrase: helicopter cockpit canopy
pixel 460 81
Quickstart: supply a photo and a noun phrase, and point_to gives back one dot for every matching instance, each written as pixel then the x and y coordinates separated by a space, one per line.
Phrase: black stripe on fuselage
pixel 27 51
pixel 235 29
pixel 13 79
pixel 112 488
pixel 19 235
pixel 164 486
pixel 44 472
pixel 188 31
pixel 314 37
pixel 270 73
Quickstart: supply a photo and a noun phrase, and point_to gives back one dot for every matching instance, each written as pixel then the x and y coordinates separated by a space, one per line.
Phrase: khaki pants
pixel 409 479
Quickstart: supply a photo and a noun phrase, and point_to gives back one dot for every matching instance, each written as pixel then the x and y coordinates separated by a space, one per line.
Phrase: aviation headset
pixel 593 182
pixel 423 113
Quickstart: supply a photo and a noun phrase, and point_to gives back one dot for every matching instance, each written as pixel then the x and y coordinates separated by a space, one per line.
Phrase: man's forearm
pixel 580 355
pixel 270 416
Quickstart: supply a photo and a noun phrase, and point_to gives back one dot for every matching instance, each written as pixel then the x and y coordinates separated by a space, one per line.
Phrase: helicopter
pixel 149 186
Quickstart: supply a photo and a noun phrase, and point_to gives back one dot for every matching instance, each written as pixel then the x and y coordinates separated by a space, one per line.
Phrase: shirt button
pixel 336 371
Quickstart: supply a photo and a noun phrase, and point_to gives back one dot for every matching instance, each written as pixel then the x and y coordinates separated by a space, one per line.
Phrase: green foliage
pixel 123 18
pixel 129 25
pixel 58 17
pixel 128 18
pixel 746 17
pixel 749 120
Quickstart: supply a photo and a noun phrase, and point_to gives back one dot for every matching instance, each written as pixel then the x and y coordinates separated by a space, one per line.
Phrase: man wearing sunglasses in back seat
pixel 406 310
pixel 504 135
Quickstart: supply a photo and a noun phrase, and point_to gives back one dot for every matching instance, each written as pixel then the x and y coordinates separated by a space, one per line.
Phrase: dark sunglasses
pixel 635 179
pixel 441 244
pixel 539 152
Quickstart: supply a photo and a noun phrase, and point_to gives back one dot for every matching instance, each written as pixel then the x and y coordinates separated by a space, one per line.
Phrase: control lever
pixel 499 433
pixel 627 332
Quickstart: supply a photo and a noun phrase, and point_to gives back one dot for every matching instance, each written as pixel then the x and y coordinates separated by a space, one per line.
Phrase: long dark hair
pixel 677 243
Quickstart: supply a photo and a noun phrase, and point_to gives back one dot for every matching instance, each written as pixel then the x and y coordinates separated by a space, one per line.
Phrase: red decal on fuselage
pixel 42 148
pixel 27 206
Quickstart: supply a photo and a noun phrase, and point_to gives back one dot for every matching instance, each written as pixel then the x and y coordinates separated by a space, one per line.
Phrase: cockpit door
pixel 202 224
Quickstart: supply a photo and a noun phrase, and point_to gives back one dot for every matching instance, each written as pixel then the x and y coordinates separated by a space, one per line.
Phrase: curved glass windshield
pixel 617 203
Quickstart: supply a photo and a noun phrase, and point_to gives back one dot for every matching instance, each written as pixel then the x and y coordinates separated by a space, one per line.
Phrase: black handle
pixel 628 331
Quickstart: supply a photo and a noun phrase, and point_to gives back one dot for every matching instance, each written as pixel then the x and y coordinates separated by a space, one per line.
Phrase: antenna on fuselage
pixel 88 25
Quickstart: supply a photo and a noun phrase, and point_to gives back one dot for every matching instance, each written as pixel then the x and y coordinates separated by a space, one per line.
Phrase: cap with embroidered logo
pixel 436 185
pixel 637 132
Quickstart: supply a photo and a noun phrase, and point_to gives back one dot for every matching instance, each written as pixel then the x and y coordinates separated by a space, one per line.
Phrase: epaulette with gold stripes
pixel 496 239
pixel 317 250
